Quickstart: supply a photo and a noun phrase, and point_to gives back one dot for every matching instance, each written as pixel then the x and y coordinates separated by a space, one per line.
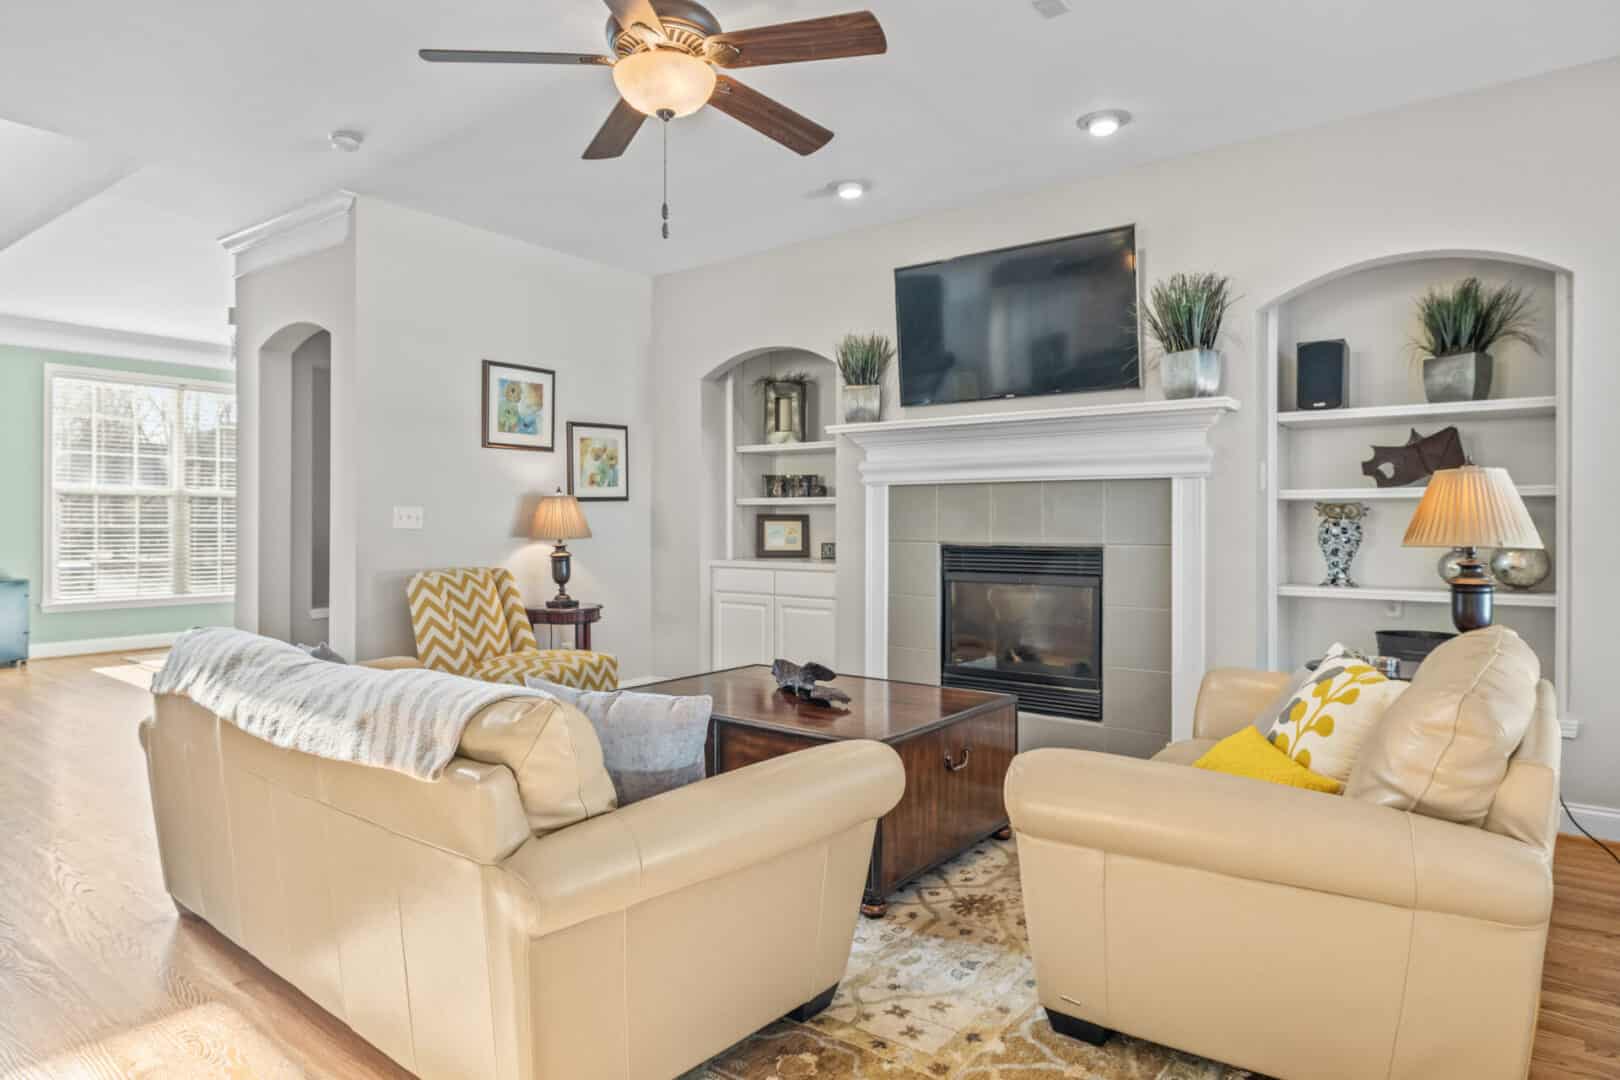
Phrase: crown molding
pixel 310 228
pixel 31 333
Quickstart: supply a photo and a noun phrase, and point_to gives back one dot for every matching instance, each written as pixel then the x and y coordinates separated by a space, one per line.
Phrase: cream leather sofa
pixel 1297 934
pixel 505 921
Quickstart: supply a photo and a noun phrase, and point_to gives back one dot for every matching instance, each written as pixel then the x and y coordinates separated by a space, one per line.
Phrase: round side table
pixel 580 618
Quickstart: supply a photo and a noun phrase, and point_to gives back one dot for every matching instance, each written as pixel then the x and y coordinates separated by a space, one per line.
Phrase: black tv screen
pixel 1050 318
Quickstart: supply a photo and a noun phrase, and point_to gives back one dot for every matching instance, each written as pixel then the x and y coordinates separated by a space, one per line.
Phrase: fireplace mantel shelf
pixel 1134 439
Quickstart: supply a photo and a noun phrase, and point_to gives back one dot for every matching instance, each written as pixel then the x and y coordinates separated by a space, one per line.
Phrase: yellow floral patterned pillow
pixel 1322 726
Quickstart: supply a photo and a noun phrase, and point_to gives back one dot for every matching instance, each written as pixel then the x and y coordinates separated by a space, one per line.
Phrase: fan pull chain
pixel 666 115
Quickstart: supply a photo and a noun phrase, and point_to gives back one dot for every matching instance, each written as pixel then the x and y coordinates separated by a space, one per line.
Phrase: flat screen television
pixel 1055 317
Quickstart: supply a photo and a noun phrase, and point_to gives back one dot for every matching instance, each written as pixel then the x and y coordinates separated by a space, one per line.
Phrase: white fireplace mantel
pixel 1138 440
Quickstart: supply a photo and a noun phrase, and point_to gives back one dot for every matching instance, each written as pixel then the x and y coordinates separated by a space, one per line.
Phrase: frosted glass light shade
pixel 558 517
pixel 1472 506
pixel 664 79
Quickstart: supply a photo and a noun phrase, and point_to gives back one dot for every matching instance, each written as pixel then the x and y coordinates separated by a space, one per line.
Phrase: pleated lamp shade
pixel 558 517
pixel 1472 506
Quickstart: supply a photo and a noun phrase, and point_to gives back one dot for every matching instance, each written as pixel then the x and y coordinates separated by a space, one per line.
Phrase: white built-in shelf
pixel 1495 409
pixel 820 566
pixel 1359 494
pixel 1504 597
pixel 772 449
pixel 820 500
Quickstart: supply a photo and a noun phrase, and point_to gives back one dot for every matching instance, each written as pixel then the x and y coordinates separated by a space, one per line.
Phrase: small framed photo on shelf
pixel 782 536
pixel 829 551
pixel 598 461
pixel 520 407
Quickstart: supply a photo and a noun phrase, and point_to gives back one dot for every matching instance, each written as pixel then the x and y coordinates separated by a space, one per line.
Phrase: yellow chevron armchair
pixel 471 621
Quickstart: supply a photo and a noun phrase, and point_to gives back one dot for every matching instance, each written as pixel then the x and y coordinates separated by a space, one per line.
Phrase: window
pixel 142 501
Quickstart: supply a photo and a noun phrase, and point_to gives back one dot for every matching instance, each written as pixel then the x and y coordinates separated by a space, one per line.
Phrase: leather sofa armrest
pixel 1229 699
pixel 1250 829
pixel 700 832
pixel 391 663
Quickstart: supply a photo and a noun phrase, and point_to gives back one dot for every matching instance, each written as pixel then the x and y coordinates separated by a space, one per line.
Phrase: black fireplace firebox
pixel 1025 621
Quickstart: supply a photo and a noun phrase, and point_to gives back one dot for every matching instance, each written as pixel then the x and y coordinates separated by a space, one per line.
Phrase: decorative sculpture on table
pixel 1339 538
pixel 1420 458
pixel 801 682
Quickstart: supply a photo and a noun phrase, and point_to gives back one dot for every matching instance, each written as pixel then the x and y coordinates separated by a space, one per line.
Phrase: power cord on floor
pixel 1607 849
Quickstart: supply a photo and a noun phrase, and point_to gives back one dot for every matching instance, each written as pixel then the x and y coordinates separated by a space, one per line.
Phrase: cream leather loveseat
pixel 1298 934
pixel 505 921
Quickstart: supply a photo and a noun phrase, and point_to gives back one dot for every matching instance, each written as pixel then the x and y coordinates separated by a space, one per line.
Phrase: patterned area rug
pixel 940 988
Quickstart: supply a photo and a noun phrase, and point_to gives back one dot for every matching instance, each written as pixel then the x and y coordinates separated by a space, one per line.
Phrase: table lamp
pixel 1472 507
pixel 558 518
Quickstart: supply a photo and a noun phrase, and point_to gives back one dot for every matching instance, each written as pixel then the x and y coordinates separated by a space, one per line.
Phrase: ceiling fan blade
pixel 630 12
pixel 855 34
pixel 769 117
pixel 621 126
pixel 503 56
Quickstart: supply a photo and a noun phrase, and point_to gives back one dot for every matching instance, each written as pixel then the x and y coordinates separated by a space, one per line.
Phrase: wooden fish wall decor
pixel 1420 458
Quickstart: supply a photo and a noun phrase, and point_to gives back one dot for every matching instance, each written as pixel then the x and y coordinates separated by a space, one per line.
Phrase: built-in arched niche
pixel 1316 456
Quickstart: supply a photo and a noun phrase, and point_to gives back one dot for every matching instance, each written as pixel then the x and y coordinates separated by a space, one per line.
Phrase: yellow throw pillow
pixel 1322 726
pixel 1249 754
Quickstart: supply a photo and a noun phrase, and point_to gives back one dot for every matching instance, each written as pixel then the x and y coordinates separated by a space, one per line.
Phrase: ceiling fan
pixel 664 55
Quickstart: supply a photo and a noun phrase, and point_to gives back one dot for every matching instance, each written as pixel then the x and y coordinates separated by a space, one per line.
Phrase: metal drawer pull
pixel 958 766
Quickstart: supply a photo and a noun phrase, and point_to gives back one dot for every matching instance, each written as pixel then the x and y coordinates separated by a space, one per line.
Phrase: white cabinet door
pixel 806 629
pixel 743 625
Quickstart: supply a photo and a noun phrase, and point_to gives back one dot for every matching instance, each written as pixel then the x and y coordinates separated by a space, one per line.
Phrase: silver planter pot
pixel 862 404
pixel 1191 373
pixel 1463 377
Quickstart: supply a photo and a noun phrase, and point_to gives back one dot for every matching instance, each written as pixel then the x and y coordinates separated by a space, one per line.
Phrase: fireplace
pixel 1024 621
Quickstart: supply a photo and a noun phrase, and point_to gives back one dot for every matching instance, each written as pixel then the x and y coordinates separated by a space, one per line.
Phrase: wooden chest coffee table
pixel 956 746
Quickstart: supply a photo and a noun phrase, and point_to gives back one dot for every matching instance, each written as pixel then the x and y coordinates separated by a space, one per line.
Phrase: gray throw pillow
pixel 651 743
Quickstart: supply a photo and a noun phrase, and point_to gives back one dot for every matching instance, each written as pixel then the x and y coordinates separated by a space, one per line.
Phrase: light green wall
pixel 22 532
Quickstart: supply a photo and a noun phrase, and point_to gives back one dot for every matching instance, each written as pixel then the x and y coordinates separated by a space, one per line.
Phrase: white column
pixel 1187 600
pixel 877 581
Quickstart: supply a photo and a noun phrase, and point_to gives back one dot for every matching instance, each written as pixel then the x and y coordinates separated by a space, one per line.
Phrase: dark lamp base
pixel 562 568
pixel 1473 596
pixel 562 600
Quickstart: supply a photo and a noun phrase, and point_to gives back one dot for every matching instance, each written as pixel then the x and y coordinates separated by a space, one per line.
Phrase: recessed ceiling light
pixel 346 141
pixel 1104 122
pixel 850 190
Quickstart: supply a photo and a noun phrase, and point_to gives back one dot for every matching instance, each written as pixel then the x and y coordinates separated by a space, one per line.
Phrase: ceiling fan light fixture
pixel 656 80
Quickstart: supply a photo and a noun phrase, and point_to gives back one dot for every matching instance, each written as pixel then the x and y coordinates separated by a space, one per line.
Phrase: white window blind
pixel 143 490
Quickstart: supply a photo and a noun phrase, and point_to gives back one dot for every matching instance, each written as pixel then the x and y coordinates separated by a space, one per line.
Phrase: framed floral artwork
pixel 598 461
pixel 520 407
pixel 782 536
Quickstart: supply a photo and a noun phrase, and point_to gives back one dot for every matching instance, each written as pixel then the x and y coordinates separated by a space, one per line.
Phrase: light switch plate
pixel 407 517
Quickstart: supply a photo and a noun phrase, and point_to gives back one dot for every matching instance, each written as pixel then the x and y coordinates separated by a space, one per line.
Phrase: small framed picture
pixel 520 407
pixel 598 461
pixel 782 536
pixel 829 551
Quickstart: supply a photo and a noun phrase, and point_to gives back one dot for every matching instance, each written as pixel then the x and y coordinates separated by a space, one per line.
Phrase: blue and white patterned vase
pixel 1339 538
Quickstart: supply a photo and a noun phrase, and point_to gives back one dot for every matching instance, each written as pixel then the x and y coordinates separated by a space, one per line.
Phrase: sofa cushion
pixel 1185 752
pixel 1443 747
pixel 1249 753
pixel 553 753
pixel 1324 722
pixel 651 743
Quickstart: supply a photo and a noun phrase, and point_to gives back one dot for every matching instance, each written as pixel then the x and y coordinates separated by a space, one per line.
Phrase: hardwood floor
pixel 91 946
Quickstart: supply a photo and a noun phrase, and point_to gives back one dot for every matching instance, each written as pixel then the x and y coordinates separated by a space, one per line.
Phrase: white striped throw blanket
pixel 408 720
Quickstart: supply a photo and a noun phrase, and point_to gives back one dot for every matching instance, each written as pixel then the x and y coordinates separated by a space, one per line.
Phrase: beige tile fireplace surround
pixel 1129 519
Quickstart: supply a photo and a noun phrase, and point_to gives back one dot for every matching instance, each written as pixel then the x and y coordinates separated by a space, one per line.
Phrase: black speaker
pixel 1322 374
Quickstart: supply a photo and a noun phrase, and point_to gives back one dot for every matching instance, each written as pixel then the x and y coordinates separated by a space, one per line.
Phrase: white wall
pixel 1525 168
pixel 434 299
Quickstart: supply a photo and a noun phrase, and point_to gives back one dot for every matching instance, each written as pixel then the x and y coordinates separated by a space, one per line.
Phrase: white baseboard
pixel 1600 821
pixel 86 646
pixel 642 680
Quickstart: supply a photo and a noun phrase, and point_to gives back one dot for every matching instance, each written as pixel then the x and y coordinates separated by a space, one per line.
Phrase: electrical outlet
pixel 407 517
pixel 1394 609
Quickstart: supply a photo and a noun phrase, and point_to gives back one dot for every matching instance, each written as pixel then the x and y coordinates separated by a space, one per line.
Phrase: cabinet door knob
pixel 958 766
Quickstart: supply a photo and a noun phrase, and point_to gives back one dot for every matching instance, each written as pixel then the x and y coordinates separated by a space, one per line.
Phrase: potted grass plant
pixel 1184 314
pixel 1458 326
pixel 862 359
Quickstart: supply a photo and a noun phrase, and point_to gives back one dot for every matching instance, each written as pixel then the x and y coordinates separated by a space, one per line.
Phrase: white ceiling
pixel 226 106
